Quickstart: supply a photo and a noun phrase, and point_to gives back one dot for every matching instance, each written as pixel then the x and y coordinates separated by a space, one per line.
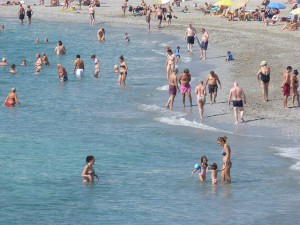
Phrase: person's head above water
pixel 89 159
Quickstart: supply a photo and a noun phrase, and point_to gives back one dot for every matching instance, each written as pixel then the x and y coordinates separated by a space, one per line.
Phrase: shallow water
pixel 144 153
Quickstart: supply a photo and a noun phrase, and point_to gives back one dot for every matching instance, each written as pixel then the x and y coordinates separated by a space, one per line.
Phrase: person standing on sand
pixel 29 14
pixel 11 99
pixel 286 82
pixel 78 66
pixel 200 91
pixel 190 37
pixel 185 87
pixel 159 14
pixel 60 49
pixel 148 17
pixel 62 73
pixel 226 153
pixel 173 87
pixel 212 80
pixel 294 87
pixel 92 15
pixel 21 14
pixel 124 7
pixel 238 97
pixel 263 74
pixel 204 44
pixel 97 66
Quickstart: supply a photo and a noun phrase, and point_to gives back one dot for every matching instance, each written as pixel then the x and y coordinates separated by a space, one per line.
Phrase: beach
pixel 144 152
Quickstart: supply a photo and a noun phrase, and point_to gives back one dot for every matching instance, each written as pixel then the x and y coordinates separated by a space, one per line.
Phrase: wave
pixel 158 109
pixel 187 123
pixel 163 88
pixel 293 153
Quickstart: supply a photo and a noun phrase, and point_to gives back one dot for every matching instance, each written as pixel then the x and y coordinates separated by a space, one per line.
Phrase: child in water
pixel 229 56
pixel 116 69
pixel 126 38
pixel 24 63
pixel 214 173
pixel 177 54
pixel 203 168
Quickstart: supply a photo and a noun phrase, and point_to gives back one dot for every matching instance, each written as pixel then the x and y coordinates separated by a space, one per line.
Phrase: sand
pixel 250 42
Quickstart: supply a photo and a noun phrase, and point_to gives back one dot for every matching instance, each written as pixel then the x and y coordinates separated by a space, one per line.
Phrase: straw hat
pixel 263 63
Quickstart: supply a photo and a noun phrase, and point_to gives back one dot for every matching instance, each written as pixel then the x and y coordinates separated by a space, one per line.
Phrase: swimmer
pixel 38 64
pixel 45 59
pixel 37 41
pixel 60 49
pixel 126 38
pixel 12 98
pixel 88 172
pixel 24 63
pixel 214 173
pixel 62 73
pixel 101 35
pixel 46 40
pixel 116 69
pixel 78 66
pixel 123 71
pixel 12 69
pixel 203 168
pixel 97 66
pixel 4 62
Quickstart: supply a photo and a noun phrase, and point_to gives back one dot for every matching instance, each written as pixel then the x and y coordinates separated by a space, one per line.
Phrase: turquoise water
pixel 144 162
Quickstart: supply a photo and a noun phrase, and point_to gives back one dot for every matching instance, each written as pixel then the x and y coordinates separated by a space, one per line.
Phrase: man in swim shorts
pixel 92 15
pixel 286 82
pixel 184 81
pixel 62 73
pixel 204 44
pixel 78 66
pixel 238 97
pixel 190 37
pixel 159 13
pixel 12 98
pixel 60 49
pixel 212 80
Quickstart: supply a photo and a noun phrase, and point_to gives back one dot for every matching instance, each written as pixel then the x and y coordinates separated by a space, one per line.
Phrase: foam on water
pixel 173 120
pixel 163 88
pixel 293 153
pixel 158 109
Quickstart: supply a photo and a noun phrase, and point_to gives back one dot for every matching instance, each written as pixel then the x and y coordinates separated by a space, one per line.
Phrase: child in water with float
pixel 202 168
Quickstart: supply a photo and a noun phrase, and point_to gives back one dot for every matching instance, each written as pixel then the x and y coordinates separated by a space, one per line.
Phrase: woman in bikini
pixel 200 91
pixel 12 98
pixel 263 75
pixel 294 87
pixel 226 153
pixel 123 71
pixel 170 63
pixel 88 172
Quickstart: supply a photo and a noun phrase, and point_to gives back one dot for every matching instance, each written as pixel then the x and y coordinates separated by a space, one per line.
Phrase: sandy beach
pixel 250 42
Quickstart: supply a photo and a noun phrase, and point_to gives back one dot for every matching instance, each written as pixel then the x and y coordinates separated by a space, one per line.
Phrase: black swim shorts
pixel 212 89
pixel 190 39
pixel 237 103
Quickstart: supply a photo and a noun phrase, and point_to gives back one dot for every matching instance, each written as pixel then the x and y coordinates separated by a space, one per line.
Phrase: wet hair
pixel 59 43
pixel 222 139
pixel 289 68
pixel 93 56
pixel 13 66
pixel 202 159
pixel 78 56
pixel 296 72
pixel 121 57
pixel 214 166
pixel 89 158
pixel 186 71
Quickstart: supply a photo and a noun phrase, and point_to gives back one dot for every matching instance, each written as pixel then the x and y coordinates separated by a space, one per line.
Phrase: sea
pixel 144 152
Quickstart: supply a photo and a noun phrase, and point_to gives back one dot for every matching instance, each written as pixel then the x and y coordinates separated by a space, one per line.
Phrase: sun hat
pixel 263 63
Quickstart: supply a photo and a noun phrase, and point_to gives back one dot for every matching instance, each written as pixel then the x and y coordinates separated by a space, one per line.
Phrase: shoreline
pixel 224 36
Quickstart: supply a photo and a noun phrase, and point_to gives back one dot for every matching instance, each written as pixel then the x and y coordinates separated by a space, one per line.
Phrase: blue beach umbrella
pixel 276 5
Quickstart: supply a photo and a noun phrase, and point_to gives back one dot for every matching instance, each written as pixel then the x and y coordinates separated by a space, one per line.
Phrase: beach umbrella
pixel 239 4
pixel 276 5
pixel 296 11
pixel 224 2
pixel 160 2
